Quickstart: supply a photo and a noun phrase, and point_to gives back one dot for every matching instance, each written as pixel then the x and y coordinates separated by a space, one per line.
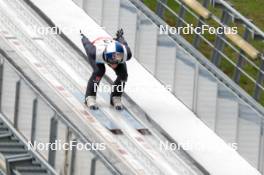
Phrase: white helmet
pixel 114 52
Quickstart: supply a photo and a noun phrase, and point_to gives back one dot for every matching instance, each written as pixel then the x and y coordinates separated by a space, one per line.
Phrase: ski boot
pixel 90 102
pixel 116 102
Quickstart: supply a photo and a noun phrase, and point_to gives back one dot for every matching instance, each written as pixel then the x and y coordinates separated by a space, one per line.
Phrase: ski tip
pixel 116 131
pixel 144 131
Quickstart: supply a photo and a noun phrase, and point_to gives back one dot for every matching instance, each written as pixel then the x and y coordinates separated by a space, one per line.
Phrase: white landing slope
pixel 180 123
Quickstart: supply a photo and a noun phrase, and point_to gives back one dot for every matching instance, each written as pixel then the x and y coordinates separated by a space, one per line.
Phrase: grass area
pixel 252 9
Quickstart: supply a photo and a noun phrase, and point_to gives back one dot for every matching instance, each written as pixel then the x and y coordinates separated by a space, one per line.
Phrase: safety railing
pixel 221 104
pixel 35 116
pixel 235 55
pixel 3 168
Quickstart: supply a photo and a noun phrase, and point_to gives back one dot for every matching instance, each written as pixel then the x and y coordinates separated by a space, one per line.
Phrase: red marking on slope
pixel 122 151
pixel 60 88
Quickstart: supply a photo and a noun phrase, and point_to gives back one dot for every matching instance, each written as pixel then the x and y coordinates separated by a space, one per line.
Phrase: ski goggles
pixel 114 57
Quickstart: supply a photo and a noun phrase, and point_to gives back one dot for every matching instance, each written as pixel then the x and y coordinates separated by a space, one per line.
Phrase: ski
pixel 129 117
pixel 101 117
pixel 134 122
pixel 106 122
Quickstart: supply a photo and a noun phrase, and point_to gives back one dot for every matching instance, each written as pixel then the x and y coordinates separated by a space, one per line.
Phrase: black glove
pixel 81 33
pixel 119 33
